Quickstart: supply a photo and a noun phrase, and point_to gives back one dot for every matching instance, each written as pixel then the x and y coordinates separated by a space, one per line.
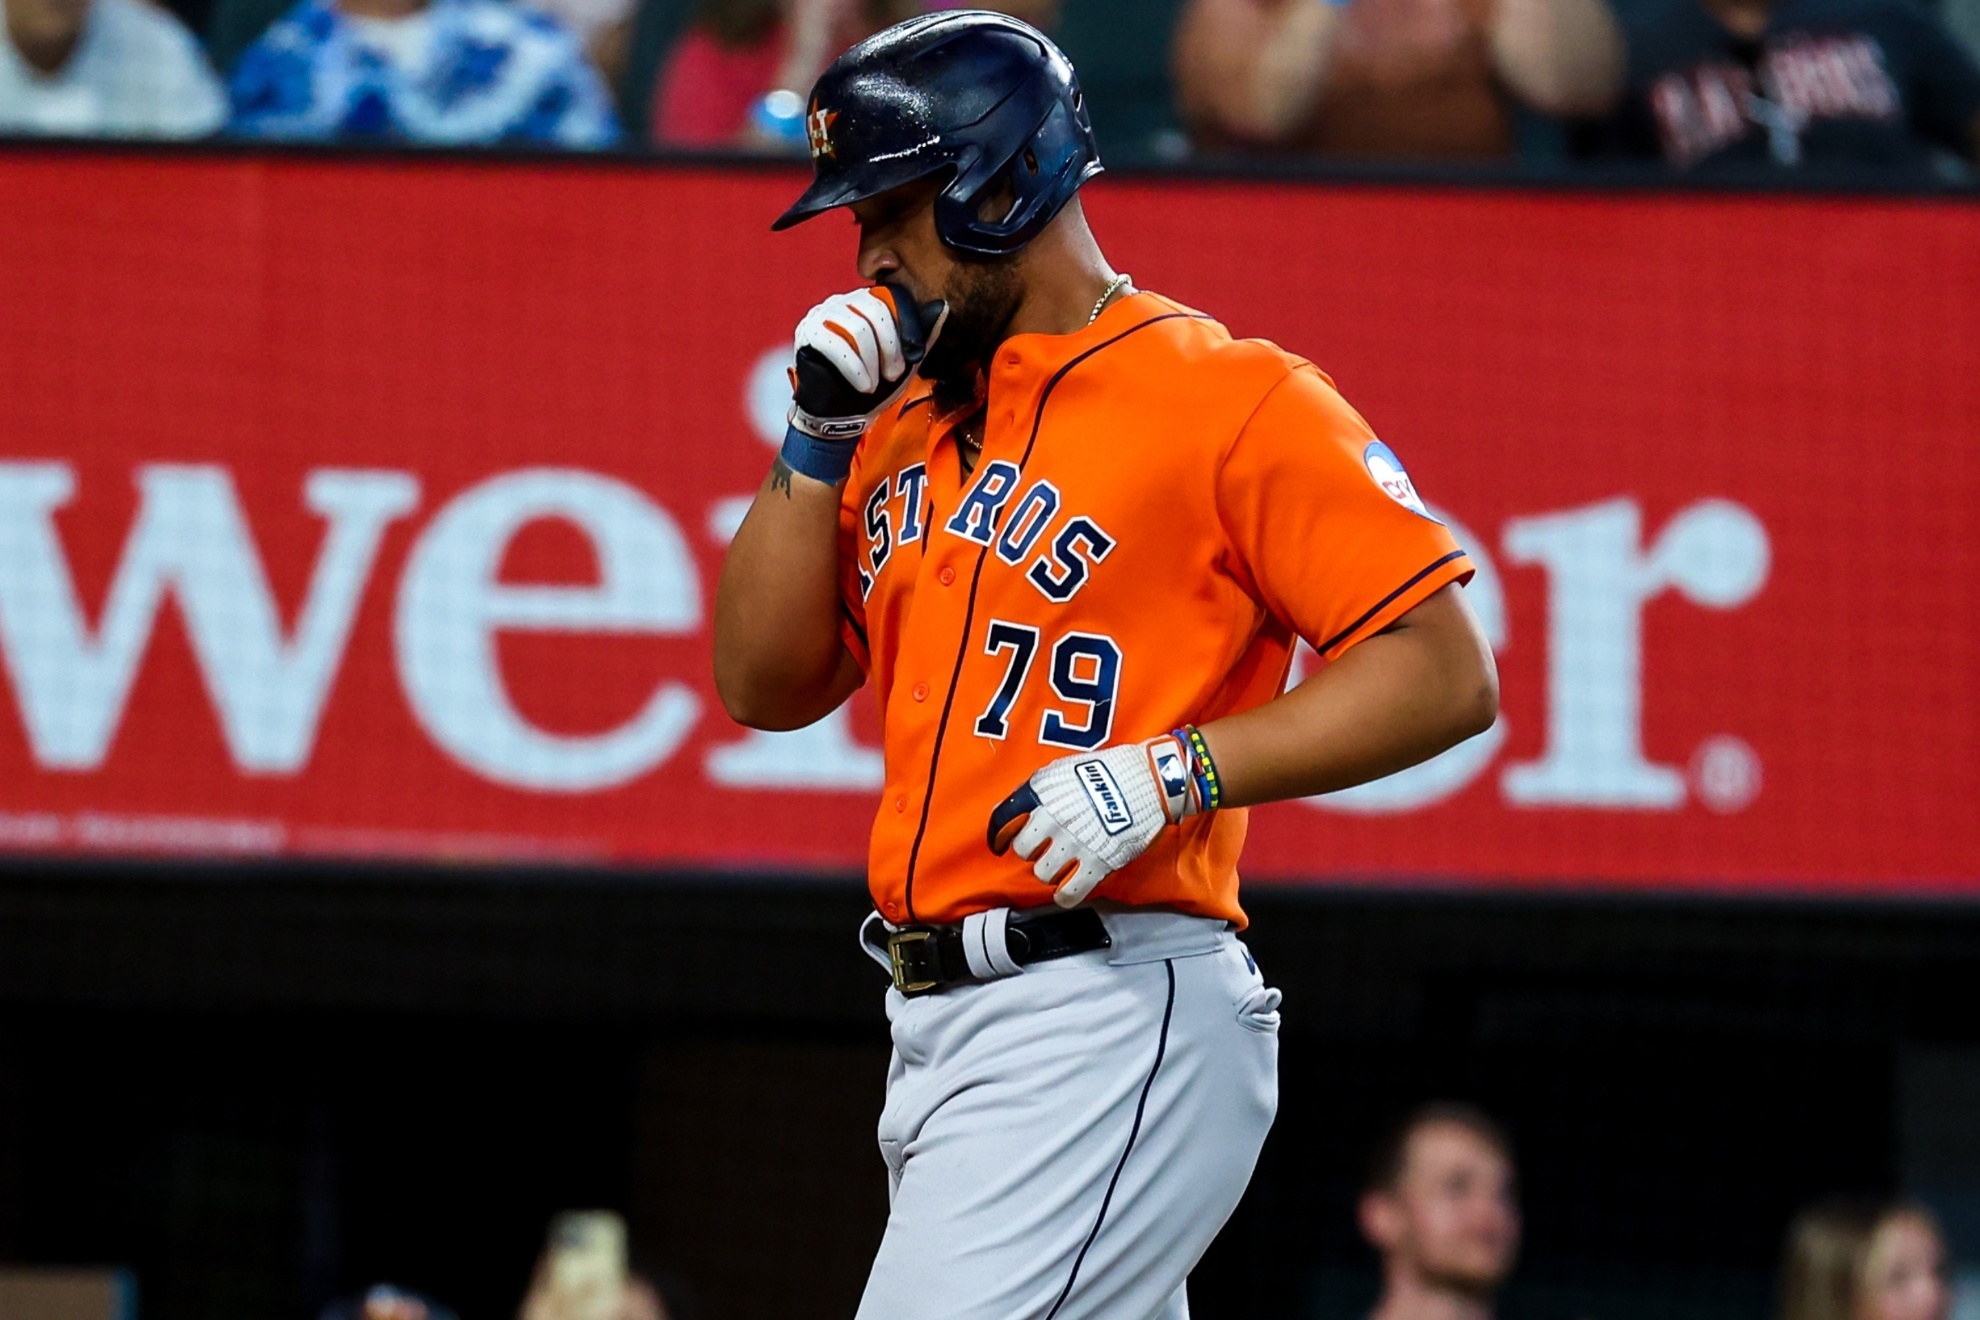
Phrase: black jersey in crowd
pixel 1827 84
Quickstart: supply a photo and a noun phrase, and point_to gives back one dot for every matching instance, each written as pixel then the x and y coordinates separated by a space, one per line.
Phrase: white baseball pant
pixel 1064 1143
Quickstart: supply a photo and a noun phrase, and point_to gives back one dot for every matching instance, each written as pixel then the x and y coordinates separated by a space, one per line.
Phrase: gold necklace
pixel 1114 286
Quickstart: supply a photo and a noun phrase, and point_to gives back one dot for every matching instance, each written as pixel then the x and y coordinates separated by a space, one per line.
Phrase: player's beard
pixel 983 294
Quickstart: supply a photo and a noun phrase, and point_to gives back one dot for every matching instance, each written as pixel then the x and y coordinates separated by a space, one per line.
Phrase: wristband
pixel 1209 787
pixel 829 461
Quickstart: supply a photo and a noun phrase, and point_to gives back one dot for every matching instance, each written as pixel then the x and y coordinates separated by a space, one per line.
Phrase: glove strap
pixel 827 428
pixel 1203 768
pixel 1169 759
pixel 820 458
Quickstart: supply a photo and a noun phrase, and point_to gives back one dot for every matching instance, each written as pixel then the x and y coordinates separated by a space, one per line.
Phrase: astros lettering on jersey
pixel 1159 512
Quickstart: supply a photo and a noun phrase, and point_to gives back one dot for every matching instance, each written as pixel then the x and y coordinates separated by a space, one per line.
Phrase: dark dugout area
pixel 262 1088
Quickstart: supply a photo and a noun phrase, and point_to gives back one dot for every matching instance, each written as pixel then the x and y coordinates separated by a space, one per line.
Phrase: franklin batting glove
pixel 1084 817
pixel 854 355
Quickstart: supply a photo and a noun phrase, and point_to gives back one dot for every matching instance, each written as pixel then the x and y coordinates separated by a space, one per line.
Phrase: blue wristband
pixel 828 461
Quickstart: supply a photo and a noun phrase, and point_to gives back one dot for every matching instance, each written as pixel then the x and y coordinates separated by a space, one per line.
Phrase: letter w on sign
pixel 190 539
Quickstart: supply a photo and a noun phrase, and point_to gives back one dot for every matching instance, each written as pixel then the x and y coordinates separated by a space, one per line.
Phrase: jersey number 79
pixel 1085 673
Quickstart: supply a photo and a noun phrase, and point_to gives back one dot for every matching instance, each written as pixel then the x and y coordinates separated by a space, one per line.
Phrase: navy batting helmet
pixel 980 96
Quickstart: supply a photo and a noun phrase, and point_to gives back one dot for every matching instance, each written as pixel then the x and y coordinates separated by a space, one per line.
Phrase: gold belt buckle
pixel 913 980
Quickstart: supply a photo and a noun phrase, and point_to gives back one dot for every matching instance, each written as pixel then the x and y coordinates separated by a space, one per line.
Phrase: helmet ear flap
pixel 999 200
pixel 1053 160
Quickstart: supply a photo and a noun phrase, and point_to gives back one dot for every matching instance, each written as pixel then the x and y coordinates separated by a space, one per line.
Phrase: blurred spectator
pixel 722 66
pixel 1715 85
pixel 583 1274
pixel 433 71
pixel 1439 1208
pixel 384 1302
pixel 1421 79
pixel 740 74
pixel 637 1300
pixel 1865 1260
pixel 106 68
pixel 589 20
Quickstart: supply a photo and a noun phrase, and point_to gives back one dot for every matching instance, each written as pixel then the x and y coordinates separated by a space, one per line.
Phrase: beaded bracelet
pixel 1209 788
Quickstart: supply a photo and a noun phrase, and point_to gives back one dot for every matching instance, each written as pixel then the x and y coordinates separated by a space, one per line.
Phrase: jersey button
pixel 947 575
pixel 900 804
pixel 921 692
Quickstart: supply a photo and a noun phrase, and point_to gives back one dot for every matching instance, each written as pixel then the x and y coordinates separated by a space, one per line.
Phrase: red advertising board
pixel 374 508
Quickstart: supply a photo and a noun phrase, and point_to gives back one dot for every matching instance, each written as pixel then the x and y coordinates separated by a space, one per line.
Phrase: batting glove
pixel 854 352
pixel 1084 817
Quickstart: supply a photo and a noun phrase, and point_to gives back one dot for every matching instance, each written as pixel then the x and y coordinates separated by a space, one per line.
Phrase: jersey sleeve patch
pixel 1386 471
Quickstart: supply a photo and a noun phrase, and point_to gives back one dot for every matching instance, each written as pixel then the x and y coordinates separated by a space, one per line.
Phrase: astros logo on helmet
pixel 818 130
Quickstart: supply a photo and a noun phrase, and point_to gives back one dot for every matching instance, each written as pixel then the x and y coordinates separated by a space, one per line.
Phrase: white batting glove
pixel 1083 817
pixel 853 356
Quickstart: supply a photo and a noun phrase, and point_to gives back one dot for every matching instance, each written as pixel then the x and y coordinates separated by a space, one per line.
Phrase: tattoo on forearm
pixel 780 476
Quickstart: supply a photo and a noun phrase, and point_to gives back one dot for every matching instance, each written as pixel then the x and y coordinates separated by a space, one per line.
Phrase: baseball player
pixel 1069 531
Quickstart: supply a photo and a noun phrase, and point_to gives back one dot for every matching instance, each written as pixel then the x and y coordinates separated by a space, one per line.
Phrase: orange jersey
pixel 1158 513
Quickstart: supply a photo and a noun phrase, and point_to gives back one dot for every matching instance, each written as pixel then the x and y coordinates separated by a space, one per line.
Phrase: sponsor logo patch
pixel 1109 803
pixel 1386 470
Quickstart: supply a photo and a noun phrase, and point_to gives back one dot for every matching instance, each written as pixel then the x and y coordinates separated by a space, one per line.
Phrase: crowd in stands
pixel 1787 88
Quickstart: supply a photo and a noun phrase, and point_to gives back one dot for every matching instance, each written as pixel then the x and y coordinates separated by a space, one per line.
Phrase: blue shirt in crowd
pixel 458 71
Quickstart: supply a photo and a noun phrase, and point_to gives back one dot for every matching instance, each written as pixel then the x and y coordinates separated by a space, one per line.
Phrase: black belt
pixel 925 959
